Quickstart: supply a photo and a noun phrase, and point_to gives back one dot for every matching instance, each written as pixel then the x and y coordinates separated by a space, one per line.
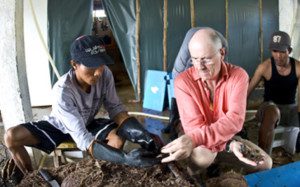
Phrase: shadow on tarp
pixel 287 176
pixel 154 126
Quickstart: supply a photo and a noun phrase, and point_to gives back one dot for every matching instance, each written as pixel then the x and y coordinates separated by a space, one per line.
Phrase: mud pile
pixel 101 173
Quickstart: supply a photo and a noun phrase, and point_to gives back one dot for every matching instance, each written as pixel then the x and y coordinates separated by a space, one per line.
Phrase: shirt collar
pixel 224 72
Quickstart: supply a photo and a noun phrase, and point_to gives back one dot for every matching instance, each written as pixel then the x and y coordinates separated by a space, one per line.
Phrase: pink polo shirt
pixel 212 126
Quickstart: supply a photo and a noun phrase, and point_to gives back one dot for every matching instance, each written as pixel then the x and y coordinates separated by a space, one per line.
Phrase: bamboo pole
pixel 193 21
pixel 165 35
pixel 137 42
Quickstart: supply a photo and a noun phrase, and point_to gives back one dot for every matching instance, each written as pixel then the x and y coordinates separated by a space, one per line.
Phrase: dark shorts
pixel 288 114
pixel 50 137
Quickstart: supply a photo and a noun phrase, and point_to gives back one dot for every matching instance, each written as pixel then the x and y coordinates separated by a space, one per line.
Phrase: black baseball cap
pixel 90 51
pixel 280 41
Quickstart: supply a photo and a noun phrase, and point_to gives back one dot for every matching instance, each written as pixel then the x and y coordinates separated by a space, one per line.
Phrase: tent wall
pixel 122 18
pixel 211 14
pixel 247 25
pixel 243 33
pixel 178 12
pixel 270 23
pixel 67 20
pixel 151 36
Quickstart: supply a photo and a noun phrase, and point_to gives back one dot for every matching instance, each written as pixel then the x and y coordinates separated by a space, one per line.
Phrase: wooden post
pixel 137 42
pixel 165 35
pixel 193 21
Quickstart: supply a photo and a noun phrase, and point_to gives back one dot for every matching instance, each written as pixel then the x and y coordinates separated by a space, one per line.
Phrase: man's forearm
pixel 121 117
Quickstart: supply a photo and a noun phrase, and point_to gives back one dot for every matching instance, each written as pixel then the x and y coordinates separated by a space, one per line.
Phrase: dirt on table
pixel 101 173
pixel 252 154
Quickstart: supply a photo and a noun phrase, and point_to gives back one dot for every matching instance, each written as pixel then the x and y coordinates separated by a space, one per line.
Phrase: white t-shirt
pixel 73 109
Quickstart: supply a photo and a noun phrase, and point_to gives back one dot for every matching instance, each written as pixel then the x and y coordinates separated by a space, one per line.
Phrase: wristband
pixel 227 148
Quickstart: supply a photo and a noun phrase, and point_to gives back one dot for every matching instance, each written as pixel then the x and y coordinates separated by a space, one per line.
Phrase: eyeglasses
pixel 204 61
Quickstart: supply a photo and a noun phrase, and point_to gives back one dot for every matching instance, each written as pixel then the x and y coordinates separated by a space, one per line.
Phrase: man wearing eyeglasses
pixel 183 59
pixel 211 97
pixel 182 62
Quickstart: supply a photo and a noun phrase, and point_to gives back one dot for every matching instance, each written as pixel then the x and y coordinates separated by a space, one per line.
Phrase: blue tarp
pixel 283 176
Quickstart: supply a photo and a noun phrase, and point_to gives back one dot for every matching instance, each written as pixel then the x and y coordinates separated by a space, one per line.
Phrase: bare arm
pixel 258 75
pixel 119 118
pixel 297 65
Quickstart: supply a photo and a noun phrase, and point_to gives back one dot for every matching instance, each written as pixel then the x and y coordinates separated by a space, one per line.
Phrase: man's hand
pixel 178 149
pixel 236 148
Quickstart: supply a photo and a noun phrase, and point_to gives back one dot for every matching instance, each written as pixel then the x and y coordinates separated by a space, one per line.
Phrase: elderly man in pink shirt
pixel 211 98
